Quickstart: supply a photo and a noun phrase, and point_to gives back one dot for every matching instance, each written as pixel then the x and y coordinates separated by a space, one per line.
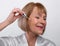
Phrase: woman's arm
pixel 11 18
pixel 3 24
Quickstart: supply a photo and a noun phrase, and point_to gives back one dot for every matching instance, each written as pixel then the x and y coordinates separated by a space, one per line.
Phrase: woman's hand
pixel 12 17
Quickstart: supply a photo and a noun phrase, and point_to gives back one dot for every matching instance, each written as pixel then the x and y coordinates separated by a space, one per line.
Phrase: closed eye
pixel 44 18
pixel 37 17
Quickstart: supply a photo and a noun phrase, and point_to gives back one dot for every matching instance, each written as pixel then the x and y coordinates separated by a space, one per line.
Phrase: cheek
pixel 45 23
pixel 32 23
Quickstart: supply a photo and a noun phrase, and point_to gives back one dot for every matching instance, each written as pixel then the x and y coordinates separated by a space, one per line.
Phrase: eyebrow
pixel 40 14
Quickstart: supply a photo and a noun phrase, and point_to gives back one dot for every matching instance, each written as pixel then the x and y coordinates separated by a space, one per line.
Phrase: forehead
pixel 38 11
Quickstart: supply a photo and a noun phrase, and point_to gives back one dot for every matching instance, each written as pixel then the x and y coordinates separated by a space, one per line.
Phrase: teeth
pixel 39 26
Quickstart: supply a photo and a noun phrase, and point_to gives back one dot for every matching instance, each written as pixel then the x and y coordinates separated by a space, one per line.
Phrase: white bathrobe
pixel 22 41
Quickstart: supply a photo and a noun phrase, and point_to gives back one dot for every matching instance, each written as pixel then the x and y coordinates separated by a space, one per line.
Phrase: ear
pixel 29 18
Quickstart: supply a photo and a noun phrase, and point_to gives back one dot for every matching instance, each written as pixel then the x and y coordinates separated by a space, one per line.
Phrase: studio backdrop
pixel 52 31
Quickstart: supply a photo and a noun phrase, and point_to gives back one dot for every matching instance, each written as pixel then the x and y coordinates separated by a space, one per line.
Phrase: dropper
pixel 24 15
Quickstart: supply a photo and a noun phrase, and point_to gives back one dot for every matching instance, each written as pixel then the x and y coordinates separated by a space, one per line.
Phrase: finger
pixel 18 16
pixel 17 12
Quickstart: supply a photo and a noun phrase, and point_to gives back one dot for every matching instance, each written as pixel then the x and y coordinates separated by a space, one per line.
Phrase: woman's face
pixel 37 21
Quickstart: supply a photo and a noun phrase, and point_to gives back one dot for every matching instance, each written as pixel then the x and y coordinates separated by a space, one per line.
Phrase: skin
pixel 37 23
pixel 11 18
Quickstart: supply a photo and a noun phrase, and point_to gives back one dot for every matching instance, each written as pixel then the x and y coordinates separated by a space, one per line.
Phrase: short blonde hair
pixel 22 22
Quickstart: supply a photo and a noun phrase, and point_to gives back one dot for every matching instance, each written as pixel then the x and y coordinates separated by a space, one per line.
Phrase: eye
pixel 44 18
pixel 37 17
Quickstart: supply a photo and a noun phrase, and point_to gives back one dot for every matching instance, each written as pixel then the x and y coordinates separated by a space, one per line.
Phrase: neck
pixel 31 37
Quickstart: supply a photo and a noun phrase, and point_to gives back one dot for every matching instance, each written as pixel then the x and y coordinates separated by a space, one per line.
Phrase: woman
pixel 33 24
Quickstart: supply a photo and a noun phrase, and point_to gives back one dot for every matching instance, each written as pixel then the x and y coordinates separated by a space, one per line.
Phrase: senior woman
pixel 33 24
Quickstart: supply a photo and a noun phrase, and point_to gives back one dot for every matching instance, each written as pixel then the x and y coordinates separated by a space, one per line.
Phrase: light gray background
pixel 53 18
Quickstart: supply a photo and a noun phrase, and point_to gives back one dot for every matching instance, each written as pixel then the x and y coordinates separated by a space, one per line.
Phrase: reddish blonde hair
pixel 22 23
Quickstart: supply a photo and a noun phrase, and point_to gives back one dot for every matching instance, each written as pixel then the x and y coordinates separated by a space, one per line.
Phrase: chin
pixel 40 33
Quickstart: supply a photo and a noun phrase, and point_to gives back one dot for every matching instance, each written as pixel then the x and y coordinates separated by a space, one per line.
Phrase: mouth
pixel 40 27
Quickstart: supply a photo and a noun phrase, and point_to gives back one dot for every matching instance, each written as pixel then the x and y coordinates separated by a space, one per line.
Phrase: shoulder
pixel 6 38
pixel 11 41
pixel 45 41
pixel 20 38
pixel 8 41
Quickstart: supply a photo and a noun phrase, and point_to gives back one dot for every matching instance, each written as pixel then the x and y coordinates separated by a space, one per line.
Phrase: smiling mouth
pixel 40 27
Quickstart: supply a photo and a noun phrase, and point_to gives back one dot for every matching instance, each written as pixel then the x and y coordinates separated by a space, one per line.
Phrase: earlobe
pixel 29 18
